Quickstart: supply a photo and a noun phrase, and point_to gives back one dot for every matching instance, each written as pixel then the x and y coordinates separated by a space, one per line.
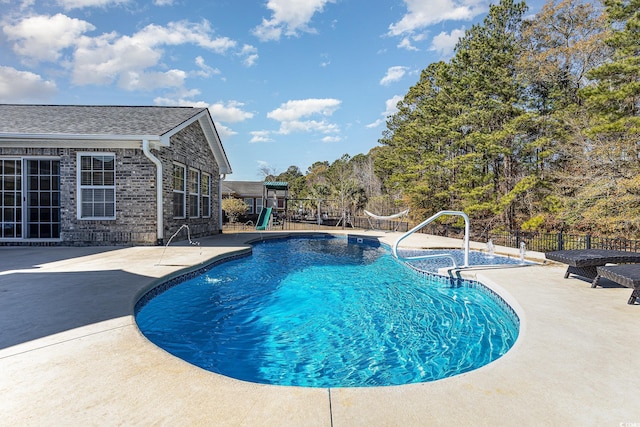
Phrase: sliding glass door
pixel 30 198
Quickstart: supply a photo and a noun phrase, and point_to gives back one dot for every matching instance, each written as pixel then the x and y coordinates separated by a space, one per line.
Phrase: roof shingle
pixel 92 119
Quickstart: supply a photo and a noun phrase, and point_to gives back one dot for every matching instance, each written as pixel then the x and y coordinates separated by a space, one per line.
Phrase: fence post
pixel 560 242
pixel 588 241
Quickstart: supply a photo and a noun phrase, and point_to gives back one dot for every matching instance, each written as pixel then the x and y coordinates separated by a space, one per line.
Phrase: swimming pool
pixel 324 312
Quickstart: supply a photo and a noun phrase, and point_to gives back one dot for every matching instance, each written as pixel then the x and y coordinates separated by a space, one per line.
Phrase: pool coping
pixel 106 372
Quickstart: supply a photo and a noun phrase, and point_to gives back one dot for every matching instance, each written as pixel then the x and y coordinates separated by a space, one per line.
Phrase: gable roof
pixel 243 188
pixel 92 120
pixel 22 123
pixel 276 185
pixel 252 188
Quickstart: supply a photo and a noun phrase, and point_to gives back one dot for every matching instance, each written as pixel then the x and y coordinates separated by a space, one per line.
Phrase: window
pixel 249 202
pixel 194 193
pixel 96 186
pixel 206 195
pixel 179 190
pixel 259 204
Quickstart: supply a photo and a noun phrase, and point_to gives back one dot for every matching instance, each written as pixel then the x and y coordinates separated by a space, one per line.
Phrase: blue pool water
pixel 321 312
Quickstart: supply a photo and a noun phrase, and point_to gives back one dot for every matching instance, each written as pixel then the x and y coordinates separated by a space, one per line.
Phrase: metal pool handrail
pixel 394 249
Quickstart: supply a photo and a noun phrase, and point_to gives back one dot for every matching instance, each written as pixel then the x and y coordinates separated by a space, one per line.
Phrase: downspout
pixel 159 213
pixel 222 178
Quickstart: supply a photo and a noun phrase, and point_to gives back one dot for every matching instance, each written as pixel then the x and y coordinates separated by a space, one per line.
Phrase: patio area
pixel 71 354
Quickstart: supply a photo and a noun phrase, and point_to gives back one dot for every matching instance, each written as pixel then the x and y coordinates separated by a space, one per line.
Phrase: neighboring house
pixel 248 191
pixel 86 175
pixel 254 193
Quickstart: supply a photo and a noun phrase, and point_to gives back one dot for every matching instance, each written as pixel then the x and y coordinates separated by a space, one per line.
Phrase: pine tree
pixel 615 96
pixel 415 146
pixel 561 44
pixel 489 95
pixel 612 200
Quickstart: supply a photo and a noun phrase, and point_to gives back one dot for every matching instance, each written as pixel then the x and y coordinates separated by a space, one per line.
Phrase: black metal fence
pixel 546 242
pixel 536 241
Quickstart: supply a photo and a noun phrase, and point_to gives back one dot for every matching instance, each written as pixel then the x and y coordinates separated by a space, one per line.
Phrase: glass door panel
pixel 10 198
pixel 43 200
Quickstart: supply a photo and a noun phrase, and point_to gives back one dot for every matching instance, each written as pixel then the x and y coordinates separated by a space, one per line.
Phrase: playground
pixel 279 212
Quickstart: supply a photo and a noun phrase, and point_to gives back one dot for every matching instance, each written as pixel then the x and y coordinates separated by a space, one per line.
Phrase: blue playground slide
pixel 263 219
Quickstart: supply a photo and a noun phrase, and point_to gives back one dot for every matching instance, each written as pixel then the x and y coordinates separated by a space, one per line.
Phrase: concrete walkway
pixel 71 354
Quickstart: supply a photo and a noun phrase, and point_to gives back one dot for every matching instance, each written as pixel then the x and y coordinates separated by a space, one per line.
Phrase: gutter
pixel 222 178
pixel 159 205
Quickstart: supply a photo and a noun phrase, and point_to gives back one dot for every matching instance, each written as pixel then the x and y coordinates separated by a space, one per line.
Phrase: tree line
pixel 533 124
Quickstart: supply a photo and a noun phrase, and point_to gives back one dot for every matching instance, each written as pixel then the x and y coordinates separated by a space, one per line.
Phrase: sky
pixel 287 82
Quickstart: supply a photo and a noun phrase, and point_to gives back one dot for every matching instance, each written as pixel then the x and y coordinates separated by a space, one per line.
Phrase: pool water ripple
pixel 325 313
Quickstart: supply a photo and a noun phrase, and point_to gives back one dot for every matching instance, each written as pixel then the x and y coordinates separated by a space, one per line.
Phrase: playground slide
pixel 263 219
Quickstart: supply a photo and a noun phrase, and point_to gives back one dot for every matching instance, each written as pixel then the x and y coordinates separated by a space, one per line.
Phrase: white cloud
pixel 408 40
pixel 267 31
pixel 23 86
pixel 136 80
pixel 289 17
pixel 375 124
pixel 307 126
pixel 130 61
pixel 205 70
pixel 231 112
pixel 250 60
pixel 134 62
pixel 293 110
pixel 80 4
pixel 183 32
pixel 290 113
pixel 181 98
pixel 331 139
pixel 405 43
pixel 394 74
pixel 42 38
pixel 260 136
pixel 391 105
pixel 444 43
pixel 110 57
pixel 224 131
pixel 163 2
pixel 250 54
pixel 104 59
pixel 422 13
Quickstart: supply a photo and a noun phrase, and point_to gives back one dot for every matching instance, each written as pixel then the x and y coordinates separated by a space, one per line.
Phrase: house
pixel 123 175
pixel 257 194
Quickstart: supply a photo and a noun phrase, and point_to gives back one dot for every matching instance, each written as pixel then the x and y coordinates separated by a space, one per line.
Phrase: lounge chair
pixel 626 275
pixel 583 262
pixel 592 264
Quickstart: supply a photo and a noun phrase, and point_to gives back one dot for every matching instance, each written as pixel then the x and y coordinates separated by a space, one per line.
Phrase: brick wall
pixel 135 221
pixel 189 148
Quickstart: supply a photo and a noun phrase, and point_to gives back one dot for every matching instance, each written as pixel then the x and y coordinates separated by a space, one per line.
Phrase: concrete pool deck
pixel 71 354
